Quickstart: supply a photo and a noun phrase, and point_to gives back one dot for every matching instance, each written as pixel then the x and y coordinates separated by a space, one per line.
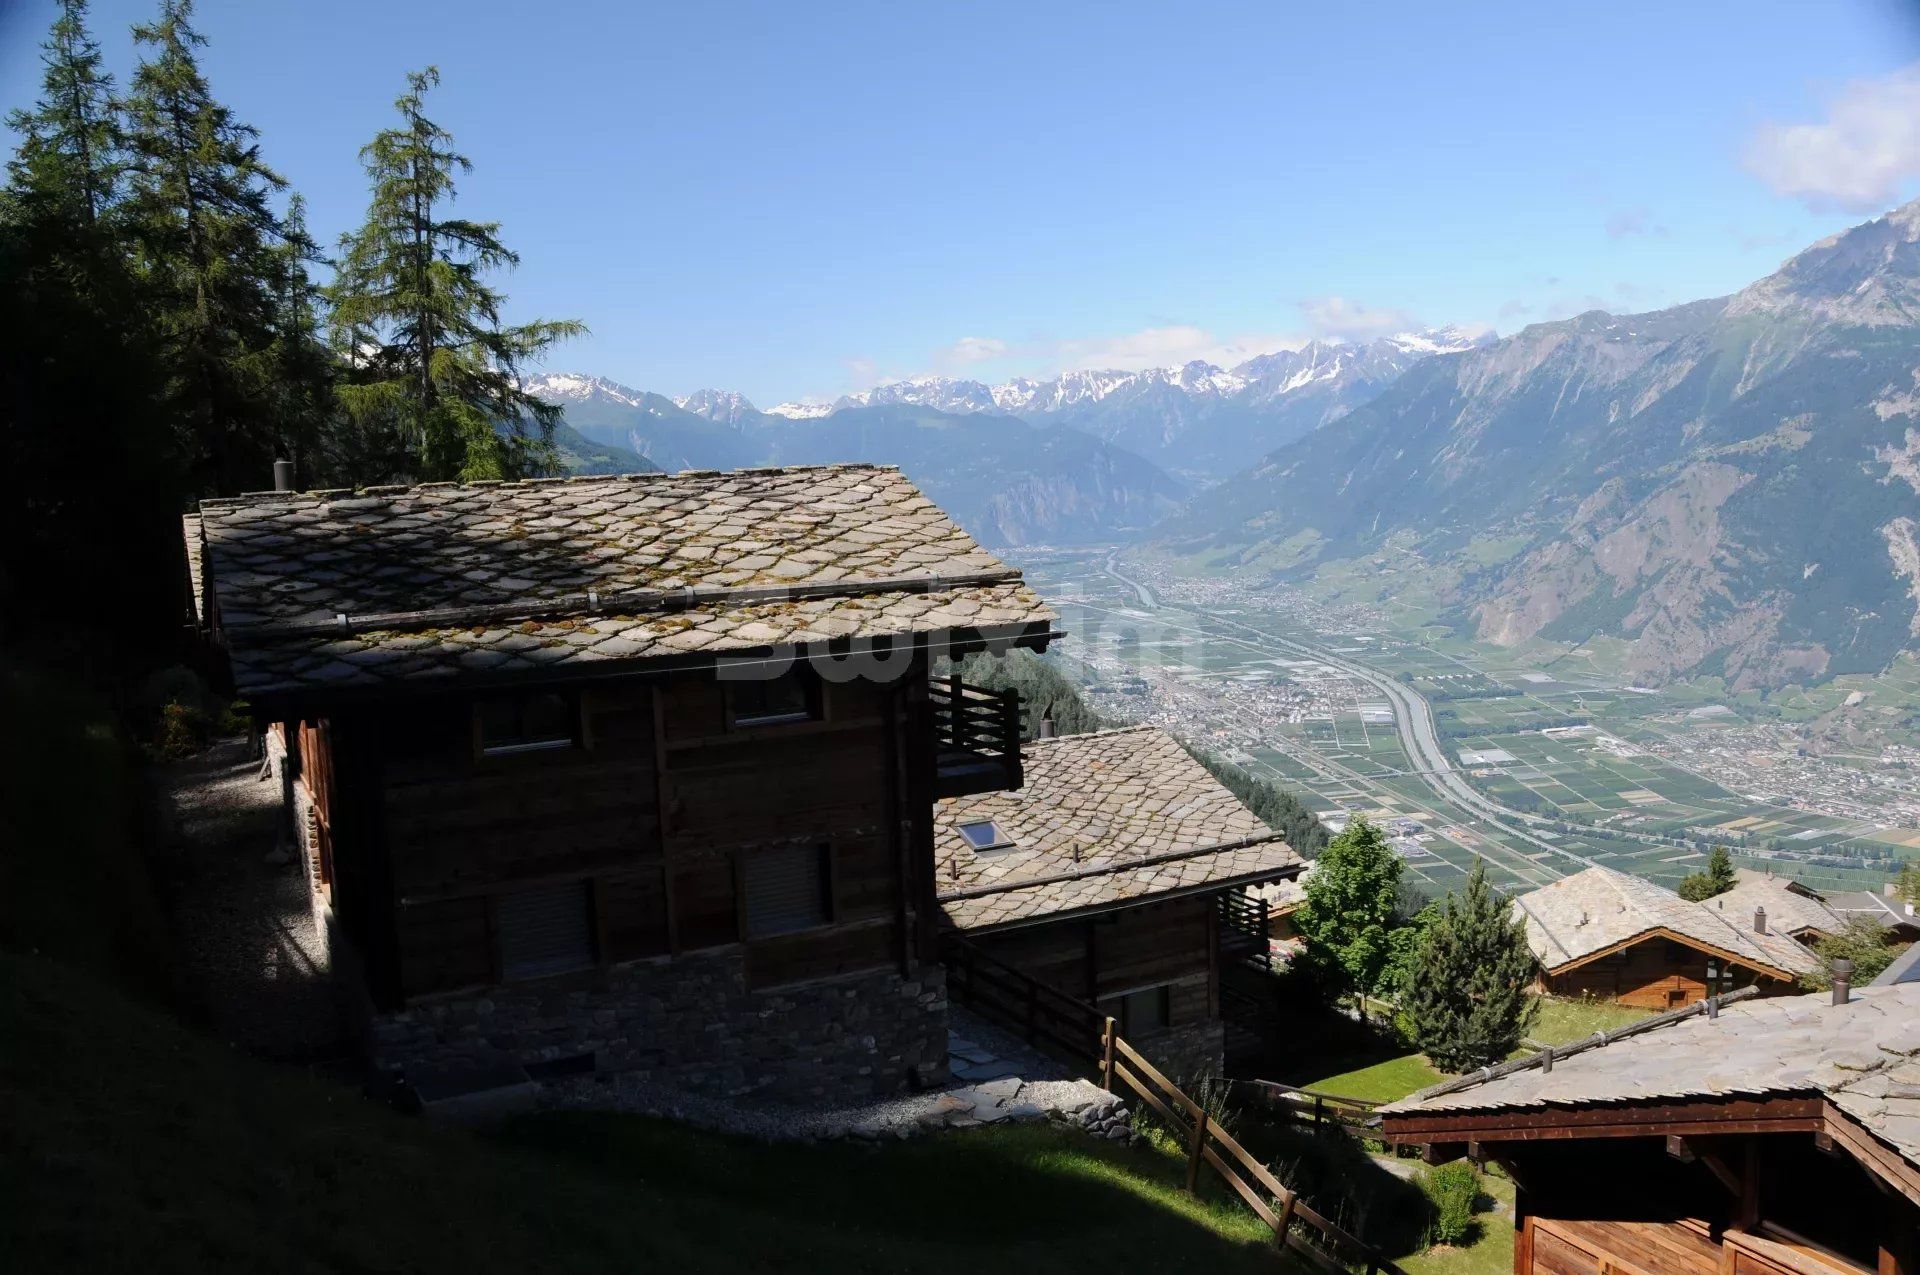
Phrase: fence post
pixel 1194 1152
pixel 1318 1107
pixel 1106 1057
pixel 1286 1220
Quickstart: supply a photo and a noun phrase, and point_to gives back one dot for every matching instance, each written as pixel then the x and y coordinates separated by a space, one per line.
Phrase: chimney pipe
pixel 1842 981
pixel 1046 726
pixel 1759 920
pixel 283 475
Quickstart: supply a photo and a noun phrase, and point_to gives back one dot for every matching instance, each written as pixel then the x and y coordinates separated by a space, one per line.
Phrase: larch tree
pixel 78 372
pixel 1352 909
pixel 215 258
pixel 431 367
pixel 1470 1005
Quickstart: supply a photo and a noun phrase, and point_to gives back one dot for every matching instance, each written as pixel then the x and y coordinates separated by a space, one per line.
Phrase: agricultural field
pixel 1552 738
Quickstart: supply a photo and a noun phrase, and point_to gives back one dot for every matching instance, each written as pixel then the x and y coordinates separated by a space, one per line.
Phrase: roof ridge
pixel 248 498
pixel 1135 728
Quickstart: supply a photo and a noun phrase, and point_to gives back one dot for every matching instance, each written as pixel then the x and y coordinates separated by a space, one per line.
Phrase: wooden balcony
pixel 976 738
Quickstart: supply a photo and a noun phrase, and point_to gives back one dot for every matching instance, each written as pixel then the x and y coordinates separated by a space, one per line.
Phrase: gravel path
pixel 252 953
pixel 1005 1080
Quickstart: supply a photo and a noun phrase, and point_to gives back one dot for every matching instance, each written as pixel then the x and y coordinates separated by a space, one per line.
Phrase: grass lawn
pixel 1380 1082
pixel 1561 1022
pixel 128 1142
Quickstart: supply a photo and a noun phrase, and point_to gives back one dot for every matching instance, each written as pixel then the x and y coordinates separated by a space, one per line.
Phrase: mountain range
pixel 1199 420
pixel 1006 481
pixel 1729 487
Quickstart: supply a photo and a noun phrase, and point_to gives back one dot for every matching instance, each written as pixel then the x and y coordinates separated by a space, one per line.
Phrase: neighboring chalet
pixel 1780 1136
pixel 1113 876
pixel 1890 914
pixel 628 773
pixel 1612 936
pixel 1792 909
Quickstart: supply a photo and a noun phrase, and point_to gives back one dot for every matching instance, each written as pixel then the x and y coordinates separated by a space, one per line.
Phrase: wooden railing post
pixel 1286 1220
pixel 1196 1151
pixel 1106 1056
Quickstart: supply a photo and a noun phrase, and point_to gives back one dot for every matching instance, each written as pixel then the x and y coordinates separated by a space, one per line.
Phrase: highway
pixel 1413 719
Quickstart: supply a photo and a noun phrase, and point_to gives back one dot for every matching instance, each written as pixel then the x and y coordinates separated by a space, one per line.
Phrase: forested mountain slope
pixel 1727 486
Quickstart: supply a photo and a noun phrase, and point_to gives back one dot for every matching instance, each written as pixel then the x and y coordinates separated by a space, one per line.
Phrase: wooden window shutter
pixel 786 890
pixel 545 931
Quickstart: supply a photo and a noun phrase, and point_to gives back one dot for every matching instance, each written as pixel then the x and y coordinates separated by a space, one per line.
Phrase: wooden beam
pixel 1887 1166
pixel 1706 1117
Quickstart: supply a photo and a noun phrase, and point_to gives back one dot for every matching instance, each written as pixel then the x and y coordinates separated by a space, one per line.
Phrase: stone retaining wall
pixel 692 1022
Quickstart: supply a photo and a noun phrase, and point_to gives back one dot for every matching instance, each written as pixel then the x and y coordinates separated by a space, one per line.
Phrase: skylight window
pixel 985 834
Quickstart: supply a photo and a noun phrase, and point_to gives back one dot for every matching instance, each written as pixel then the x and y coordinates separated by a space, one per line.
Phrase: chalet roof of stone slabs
pixel 1789 910
pixel 1105 819
pixel 1864 1056
pixel 1600 908
pixel 384 584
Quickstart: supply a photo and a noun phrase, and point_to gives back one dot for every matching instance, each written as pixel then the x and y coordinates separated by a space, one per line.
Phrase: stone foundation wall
pixel 1187 1053
pixel 693 1023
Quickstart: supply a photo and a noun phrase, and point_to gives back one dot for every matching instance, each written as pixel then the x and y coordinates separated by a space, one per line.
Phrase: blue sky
pixel 795 200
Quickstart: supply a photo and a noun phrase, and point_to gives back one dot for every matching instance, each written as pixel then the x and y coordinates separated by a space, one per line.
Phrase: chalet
pixel 625 773
pixel 1605 934
pixel 1779 1135
pixel 1792 909
pixel 1112 877
pixel 1897 918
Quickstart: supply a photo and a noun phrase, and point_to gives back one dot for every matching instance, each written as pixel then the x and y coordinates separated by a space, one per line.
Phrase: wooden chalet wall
pixel 1655 973
pixel 1103 957
pixel 656 810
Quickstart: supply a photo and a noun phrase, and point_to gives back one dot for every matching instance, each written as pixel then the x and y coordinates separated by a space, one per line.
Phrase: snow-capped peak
pixel 802 411
pixel 728 407
pixel 576 387
pixel 1452 339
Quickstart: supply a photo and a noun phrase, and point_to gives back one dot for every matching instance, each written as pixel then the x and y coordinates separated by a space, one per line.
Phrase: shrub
pixel 1451 1190
pixel 182 731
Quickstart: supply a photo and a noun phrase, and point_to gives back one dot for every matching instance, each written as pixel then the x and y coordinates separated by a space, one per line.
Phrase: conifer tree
pixel 432 367
pixel 1469 1006
pixel 1352 908
pixel 1717 879
pixel 78 372
pixel 70 155
pixel 214 257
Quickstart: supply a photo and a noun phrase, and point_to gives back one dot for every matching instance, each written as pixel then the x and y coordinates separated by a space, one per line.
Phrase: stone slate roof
pixel 1864 1056
pixel 1104 819
pixel 196 583
pixel 335 588
pixel 1790 911
pixel 1877 908
pixel 1600 908
pixel 1904 969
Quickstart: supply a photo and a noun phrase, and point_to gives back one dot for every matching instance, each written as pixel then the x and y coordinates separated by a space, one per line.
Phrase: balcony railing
pixel 976 738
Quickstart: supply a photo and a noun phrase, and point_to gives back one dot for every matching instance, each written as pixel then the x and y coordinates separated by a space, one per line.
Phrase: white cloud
pixel 1858 157
pixel 976 349
pixel 1623 222
pixel 1167 346
pixel 1335 316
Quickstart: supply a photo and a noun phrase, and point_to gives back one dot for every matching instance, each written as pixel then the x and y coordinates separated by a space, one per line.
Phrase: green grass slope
pixel 129 1142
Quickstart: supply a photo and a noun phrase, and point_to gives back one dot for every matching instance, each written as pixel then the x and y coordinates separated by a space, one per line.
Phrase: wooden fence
pixel 1277 1205
pixel 1042 1014
pixel 1355 1114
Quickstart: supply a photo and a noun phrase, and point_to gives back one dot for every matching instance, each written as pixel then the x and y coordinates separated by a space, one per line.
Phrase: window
pixel 1147 1010
pixel 793 696
pixel 527 723
pixel 984 834
pixel 545 931
pixel 788 889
